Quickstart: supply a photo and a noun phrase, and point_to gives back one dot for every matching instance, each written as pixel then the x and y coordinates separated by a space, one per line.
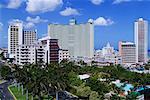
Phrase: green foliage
pixel 42 80
pixel 100 87
pixel 83 90
pixel 2 56
pixel 74 79
pixel 94 96
pixel 5 72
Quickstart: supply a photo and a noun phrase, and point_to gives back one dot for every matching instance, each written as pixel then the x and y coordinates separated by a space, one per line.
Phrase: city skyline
pixel 110 25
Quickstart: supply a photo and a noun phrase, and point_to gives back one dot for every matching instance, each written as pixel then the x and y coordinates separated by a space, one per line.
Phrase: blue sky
pixel 113 18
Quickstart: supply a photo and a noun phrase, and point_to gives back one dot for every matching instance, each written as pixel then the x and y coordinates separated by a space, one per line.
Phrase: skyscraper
pixel 15 37
pixel 141 40
pixel 77 38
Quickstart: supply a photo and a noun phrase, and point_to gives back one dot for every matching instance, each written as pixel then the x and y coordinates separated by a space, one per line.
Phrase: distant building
pixel 44 51
pixel 98 54
pixel 108 50
pixel 141 40
pixel 63 55
pixel 77 38
pixel 107 56
pixel 29 36
pixel 127 51
pixel 15 37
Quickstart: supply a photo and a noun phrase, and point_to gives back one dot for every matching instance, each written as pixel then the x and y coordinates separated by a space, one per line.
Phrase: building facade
pixel 63 55
pixel 108 55
pixel 52 49
pixel 18 36
pixel 15 37
pixel 141 40
pixel 44 51
pixel 127 51
pixel 108 50
pixel 29 36
pixel 25 54
pixel 77 38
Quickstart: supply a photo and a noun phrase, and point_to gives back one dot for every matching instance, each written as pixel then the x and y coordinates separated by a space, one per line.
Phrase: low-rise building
pixel 108 50
pixel 63 55
pixel 44 51
pixel 108 55
pixel 25 54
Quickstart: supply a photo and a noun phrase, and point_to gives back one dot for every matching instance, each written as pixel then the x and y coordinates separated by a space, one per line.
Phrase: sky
pixel 113 19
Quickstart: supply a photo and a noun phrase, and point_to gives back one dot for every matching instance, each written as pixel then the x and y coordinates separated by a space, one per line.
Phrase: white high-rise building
pixel 29 36
pixel 15 37
pixel 141 40
pixel 18 36
pixel 127 51
pixel 77 38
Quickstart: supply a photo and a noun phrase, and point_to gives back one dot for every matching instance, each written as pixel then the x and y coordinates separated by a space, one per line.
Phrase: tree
pixel 74 80
pixel 5 72
pixel 83 90
pixel 98 86
pixel 94 96
pixel 2 56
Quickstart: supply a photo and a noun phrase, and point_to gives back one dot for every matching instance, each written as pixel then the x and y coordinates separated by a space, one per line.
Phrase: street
pixel 6 95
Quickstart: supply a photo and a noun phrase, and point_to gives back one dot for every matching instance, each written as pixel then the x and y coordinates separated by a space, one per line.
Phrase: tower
pixel 141 40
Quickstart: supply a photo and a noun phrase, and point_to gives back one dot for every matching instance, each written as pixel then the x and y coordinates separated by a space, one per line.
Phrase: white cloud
pixel 101 21
pixel 29 25
pixel 35 20
pixel 30 22
pixel 14 20
pixel 97 2
pixel 121 1
pixel 40 6
pixel 14 4
pixel 1 26
pixel 26 25
pixel 69 11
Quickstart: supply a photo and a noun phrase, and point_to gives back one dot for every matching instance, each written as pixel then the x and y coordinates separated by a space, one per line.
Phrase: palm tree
pixel 40 81
pixel 57 78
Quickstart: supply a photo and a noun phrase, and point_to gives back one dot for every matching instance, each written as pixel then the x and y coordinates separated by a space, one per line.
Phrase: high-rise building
pixel 15 37
pixel 127 51
pixel 18 36
pixel 29 36
pixel 141 40
pixel 77 38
